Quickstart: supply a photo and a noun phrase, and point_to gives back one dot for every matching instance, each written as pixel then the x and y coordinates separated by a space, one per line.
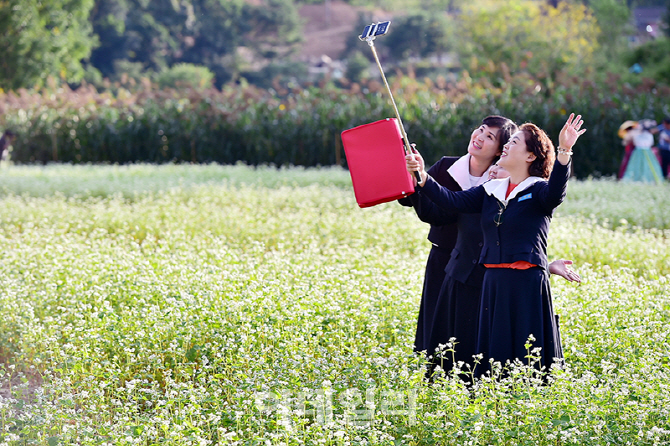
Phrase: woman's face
pixel 515 153
pixel 484 143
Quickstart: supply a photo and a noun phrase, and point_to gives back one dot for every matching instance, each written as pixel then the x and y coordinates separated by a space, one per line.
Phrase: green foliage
pixel 128 72
pixel 654 57
pixel 109 24
pixel 43 39
pixel 274 22
pixel 277 75
pixel 357 64
pixel 527 36
pixel 160 34
pixel 255 39
pixel 303 126
pixel 207 304
pixel 614 20
pixel 185 76
pixel 300 127
pixel 418 35
pixel 409 6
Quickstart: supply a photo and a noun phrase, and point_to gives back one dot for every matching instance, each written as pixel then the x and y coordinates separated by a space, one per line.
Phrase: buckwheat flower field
pixel 226 305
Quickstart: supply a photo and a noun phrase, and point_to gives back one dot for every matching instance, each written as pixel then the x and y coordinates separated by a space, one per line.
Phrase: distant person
pixel 6 142
pixel 626 132
pixel 663 131
pixel 643 165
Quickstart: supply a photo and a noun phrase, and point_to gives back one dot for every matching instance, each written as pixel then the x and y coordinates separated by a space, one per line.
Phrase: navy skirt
pixel 514 305
pixel 432 282
pixel 456 316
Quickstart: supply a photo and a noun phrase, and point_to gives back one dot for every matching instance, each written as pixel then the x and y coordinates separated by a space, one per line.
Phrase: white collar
pixel 498 188
pixel 460 172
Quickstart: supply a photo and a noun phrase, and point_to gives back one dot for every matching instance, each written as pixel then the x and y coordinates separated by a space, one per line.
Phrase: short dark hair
pixel 9 133
pixel 666 120
pixel 506 127
pixel 538 143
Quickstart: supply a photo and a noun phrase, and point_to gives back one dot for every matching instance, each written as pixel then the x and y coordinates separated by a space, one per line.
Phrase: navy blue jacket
pixel 514 229
pixel 463 264
pixel 443 228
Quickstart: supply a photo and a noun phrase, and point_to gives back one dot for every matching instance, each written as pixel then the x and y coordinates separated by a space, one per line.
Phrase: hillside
pixel 328 26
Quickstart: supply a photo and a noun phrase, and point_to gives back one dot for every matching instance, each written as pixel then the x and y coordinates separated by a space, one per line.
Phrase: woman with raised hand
pixel 515 303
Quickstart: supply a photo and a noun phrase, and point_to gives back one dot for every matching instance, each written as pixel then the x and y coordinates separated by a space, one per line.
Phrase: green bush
pixel 302 126
pixel 128 72
pixel 654 57
pixel 277 74
pixel 185 75
pixel 357 63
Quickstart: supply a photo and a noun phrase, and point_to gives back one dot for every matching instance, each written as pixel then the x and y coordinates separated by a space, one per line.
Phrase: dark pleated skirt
pixel 432 282
pixel 456 316
pixel 514 305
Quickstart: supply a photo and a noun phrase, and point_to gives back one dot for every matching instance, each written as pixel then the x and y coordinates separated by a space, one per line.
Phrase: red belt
pixel 519 264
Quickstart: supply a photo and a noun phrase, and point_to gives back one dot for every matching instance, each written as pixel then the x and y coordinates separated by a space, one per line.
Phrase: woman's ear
pixel 531 157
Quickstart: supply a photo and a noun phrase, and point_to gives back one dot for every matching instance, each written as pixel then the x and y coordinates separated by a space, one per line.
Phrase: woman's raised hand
pixel 570 132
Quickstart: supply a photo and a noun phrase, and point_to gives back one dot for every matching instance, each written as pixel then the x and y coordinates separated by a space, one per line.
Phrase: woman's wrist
pixel 424 176
pixel 563 151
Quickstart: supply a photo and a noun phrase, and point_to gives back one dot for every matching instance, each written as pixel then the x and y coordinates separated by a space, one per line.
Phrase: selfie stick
pixel 370 33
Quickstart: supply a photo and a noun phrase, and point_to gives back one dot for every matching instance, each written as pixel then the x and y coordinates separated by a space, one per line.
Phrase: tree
pixel 614 19
pixel 267 30
pixel 357 63
pixel 527 36
pixel 274 28
pixel 139 31
pixel 418 35
pixel 221 28
pixel 211 33
pixel 109 24
pixel 40 39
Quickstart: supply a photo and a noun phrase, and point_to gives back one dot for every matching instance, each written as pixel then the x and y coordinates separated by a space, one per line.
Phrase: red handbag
pixel 376 160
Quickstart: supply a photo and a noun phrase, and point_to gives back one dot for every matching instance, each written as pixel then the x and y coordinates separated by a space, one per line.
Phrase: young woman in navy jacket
pixel 515 303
